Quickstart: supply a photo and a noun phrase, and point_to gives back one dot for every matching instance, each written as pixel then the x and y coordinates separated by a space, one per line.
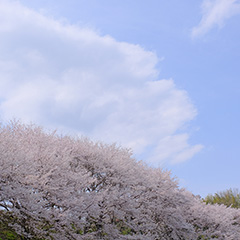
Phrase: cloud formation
pixel 71 78
pixel 215 13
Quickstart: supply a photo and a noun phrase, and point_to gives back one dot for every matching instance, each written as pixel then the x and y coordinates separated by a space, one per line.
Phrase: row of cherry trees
pixel 86 190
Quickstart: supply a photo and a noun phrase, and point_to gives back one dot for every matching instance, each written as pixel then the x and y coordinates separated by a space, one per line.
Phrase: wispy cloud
pixel 67 77
pixel 215 13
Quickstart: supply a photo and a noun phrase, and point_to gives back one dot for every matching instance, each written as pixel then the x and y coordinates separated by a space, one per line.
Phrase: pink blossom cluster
pixel 89 190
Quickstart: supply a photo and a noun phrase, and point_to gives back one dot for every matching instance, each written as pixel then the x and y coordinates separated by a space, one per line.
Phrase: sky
pixel 158 77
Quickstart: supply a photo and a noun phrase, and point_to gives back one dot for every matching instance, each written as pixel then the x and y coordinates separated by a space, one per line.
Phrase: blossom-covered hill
pixel 58 187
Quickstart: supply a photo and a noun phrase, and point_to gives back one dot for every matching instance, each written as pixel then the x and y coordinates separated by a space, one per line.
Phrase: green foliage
pixel 122 226
pixel 6 232
pixel 230 198
pixel 126 231
pixel 202 237
pixel 76 230
pixel 9 235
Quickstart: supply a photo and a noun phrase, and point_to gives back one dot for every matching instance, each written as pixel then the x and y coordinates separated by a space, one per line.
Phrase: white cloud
pixel 175 149
pixel 67 77
pixel 215 13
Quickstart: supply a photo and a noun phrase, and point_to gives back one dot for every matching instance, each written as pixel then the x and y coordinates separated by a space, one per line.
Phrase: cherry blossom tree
pixel 59 187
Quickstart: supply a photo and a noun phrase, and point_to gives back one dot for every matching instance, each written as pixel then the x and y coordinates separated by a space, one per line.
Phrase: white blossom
pixel 88 190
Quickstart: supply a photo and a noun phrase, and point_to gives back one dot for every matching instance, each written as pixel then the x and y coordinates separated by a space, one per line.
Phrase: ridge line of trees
pixel 57 187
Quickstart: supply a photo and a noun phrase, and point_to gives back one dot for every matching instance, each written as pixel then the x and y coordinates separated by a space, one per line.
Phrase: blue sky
pixel 160 77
